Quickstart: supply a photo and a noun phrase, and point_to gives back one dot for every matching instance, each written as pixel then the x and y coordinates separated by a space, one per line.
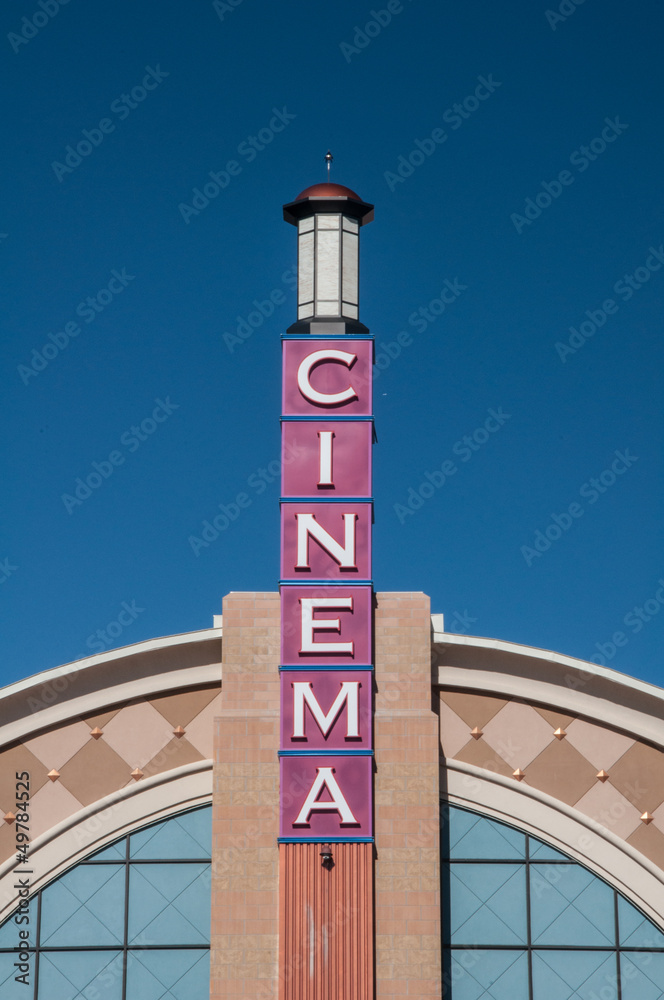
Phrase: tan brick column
pixel 408 958
pixel 245 857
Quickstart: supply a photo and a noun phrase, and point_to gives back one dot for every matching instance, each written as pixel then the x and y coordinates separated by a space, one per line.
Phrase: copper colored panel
pixel 326 923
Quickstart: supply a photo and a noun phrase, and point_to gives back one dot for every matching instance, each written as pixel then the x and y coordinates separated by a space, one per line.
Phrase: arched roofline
pixel 562 826
pixel 89 686
pixel 90 829
pixel 562 683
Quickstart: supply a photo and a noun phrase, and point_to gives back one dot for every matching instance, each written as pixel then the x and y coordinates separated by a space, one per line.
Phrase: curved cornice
pixel 563 683
pixel 91 685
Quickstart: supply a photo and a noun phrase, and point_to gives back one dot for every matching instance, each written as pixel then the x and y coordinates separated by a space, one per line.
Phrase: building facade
pixel 326 796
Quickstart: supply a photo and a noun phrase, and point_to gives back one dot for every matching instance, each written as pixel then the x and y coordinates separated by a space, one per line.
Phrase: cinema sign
pixel 326 517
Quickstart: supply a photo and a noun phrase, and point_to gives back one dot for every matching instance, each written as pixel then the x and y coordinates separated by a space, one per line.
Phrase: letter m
pixel 348 696
pixel 308 526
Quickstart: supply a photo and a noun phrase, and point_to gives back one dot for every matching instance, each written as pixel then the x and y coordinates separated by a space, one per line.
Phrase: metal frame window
pixel 521 921
pixel 132 922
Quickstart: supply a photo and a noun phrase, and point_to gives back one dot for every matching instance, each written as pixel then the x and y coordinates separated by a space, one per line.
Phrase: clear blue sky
pixel 168 93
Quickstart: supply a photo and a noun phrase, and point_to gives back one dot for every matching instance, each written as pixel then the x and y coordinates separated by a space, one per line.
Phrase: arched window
pixel 131 922
pixel 521 921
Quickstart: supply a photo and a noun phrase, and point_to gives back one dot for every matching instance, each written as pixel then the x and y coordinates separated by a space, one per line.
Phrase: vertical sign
pixel 326 589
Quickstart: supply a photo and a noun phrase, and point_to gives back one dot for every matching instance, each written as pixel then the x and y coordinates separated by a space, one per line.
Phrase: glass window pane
pixel 486 975
pixel 472 836
pixel 9 930
pixel 114 852
pixel 570 906
pixel 185 973
pixel 636 931
pixel 487 904
pixel 642 975
pixel 539 851
pixel 85 906
pixel 575 975
pixel 9 988
pixel 79 975
pixel 169 904
pixel 188 835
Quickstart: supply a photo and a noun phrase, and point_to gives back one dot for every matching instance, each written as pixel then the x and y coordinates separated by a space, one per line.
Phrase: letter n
pixel 307 525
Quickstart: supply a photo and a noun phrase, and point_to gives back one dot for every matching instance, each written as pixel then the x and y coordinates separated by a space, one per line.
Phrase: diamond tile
pixel 480 754
pixel 50 805
pixel 607 806
pixel 639 775
pixel 96 770
pixel 649 841
pixel 137 733
pixel 179 709
pixel 555 719
pixel 18 759
pixel 174 754
pixel 57 747
pixel 100 720
pixel 200 731
pixel 602 747
pixel 561 771
pixel 474 709
pixel 518 733
pixel 454 733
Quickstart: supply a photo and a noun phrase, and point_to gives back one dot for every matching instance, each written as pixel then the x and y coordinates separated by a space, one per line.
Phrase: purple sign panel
pixel 326 458
pixel 325 541
pixel 326 796
pixel 326 710
pixel 327 376
pixel 326 626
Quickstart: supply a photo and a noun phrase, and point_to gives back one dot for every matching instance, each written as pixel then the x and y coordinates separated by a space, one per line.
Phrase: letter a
pixel 325 779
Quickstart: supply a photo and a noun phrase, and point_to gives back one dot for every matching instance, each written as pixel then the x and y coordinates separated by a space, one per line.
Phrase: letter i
pixel 325 458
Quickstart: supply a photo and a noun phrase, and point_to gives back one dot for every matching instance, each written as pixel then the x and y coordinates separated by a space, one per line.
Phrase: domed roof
pixel 327 190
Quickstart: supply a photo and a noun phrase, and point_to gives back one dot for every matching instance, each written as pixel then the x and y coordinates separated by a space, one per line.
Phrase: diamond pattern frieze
pixel 605 804
pixel 518 734
pixel 601 746
pixel 639 776
pixel 57 747
pixel 137 733
pixel 562 772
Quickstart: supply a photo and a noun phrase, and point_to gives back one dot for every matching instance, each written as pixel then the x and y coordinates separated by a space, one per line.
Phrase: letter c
pixel 325 398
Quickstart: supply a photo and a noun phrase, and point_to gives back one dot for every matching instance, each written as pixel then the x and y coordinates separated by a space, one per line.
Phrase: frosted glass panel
pixel 327 265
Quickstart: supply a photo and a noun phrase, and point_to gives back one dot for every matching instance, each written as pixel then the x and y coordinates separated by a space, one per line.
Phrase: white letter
pixel 349 694
pixel 324 398
pixel 325 779
pixel 308 525
pixel 325 458
pixel 309 623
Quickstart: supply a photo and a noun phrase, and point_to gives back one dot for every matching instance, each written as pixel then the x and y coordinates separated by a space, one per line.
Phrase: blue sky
pixel 514 159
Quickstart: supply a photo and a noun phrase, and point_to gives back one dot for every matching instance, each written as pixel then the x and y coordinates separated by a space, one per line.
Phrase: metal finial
pixel 328 160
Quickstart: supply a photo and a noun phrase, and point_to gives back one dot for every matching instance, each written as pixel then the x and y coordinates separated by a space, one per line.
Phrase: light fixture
pixel 326 855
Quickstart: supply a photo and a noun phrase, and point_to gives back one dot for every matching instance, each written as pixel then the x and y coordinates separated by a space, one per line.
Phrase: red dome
pixel 328 191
